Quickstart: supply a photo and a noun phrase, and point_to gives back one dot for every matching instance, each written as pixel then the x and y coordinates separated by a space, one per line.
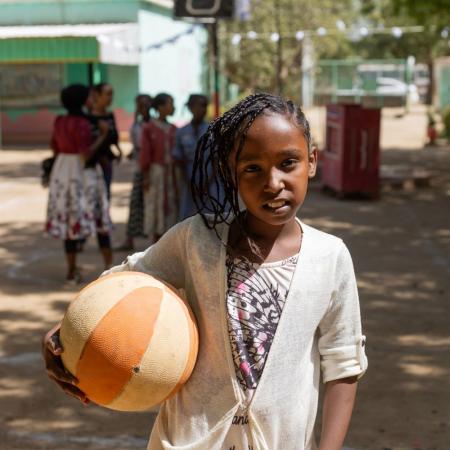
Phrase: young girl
pixel 135 225
pixel 101 101
pixel 275 299
pixel 158 170
pixel 184 151
pixel 77 205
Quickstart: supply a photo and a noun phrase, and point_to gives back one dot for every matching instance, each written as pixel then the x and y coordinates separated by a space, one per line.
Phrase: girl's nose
pixel 274 182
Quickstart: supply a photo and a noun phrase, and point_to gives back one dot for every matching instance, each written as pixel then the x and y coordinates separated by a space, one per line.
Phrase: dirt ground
pixel 401 250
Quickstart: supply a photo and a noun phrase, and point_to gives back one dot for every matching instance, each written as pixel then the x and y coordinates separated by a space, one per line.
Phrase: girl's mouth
pixel 276 205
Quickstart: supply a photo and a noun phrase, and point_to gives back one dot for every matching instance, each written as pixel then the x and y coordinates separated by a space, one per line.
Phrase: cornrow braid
pixel 212 173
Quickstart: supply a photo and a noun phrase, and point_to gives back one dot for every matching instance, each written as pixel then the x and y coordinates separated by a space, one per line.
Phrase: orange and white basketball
pixel 130 340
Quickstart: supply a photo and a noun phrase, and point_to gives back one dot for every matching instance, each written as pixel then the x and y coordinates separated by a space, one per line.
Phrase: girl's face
pixel 105 97
pixel 143 105
pixel 273 169
pixel 198 109
pixel 166 109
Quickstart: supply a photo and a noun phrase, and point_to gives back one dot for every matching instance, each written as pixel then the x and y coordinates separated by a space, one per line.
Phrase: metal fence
pixel 372 83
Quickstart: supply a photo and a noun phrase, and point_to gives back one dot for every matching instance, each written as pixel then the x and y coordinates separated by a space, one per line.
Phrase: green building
pixel 134 45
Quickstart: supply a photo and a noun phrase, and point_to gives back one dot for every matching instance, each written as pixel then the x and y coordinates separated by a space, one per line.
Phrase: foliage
pixel 253 63
pixel 432 42
pixel 424 46
pixel 433 12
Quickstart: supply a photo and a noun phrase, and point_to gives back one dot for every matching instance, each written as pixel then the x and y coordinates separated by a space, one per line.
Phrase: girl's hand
pixel 51 350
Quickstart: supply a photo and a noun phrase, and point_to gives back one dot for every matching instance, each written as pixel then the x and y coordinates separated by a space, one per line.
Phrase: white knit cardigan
pixel 319 330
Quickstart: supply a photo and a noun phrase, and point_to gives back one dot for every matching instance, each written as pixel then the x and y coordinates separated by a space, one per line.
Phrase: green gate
pixel 444 87
pixel 373 83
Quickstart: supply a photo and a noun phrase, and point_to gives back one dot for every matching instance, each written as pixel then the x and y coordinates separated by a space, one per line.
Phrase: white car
pixel 397 88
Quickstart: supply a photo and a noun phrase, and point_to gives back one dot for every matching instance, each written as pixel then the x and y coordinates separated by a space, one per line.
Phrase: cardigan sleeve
pixel 341 343
pixel 166 259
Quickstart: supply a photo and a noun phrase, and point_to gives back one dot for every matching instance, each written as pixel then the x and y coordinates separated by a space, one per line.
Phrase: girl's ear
pixel 312 163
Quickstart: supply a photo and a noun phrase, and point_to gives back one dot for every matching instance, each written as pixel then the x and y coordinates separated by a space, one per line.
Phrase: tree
pixel 265 64
pixel 422 45
pixel 433 15
pixel 431 12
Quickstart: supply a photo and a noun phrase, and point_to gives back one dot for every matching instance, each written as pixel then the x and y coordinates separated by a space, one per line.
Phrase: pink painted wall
pixel 28 128
pixel 124 120
pixel 35 128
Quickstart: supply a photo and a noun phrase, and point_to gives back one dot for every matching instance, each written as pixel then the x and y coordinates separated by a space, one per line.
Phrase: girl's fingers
pixel 54 345
pixel 72 391
pixel 51 340
pixel 56 369
pixel 58 373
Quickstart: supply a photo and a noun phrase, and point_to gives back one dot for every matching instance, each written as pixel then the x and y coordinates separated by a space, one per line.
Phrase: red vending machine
pixel 352 150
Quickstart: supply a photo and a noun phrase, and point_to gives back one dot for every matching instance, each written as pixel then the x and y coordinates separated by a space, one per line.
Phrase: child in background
pixel 135 224
pixel 77 205
pixel 184 151
pixel 275 300
pixel 159 174
pixel 102 97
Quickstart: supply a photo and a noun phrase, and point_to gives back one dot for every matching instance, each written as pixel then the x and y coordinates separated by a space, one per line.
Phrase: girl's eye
pixel 252 168
pixel 289 163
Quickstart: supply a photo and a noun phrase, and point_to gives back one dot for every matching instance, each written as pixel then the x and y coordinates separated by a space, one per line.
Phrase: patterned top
pixel 255 300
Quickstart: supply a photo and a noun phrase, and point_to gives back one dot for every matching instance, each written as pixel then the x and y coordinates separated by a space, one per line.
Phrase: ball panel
pixel 90 305
pixel 164 362
pixel 193 348
pixel 106 364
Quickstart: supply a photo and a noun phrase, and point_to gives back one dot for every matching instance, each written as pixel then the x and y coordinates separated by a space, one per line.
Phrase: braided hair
pixel 226 134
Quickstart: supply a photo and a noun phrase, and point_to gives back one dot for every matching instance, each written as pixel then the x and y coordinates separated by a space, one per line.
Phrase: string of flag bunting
pixel 117 43
pixel 353 33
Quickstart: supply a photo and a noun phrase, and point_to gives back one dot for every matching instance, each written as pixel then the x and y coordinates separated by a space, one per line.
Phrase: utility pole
pixel 216 68
pixel 1 115
pixel 208 11
pixel 307 66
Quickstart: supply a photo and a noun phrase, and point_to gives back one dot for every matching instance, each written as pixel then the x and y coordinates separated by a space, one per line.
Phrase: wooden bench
pixel 404 177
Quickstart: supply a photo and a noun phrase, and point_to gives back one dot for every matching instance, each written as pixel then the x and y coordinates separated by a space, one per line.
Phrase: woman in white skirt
pixel 78 204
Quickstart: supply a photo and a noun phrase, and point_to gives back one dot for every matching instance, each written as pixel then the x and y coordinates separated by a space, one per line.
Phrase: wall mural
pixel 31 85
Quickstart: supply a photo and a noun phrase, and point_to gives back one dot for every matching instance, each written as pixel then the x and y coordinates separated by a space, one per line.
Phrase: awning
pixel 50 50
pixel 107 43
